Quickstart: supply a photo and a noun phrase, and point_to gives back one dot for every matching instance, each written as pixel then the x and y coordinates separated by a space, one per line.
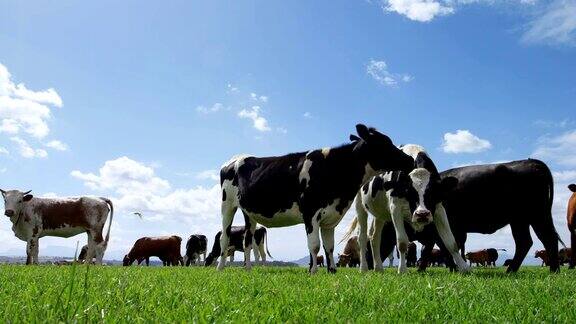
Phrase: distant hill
pixel 303 261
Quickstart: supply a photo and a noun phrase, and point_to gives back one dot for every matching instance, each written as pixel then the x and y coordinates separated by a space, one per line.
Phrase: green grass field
pixel 138 294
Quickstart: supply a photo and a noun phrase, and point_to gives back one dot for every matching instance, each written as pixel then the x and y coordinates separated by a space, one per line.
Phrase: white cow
pixel 33 218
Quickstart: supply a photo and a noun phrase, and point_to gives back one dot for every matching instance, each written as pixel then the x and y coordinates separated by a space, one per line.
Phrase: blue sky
pixel 144 102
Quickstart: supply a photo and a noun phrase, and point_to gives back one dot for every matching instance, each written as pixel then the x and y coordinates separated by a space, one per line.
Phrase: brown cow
pixel 166 248
pixel 571 215
pixel 34 218
pixel 542 254
pixel 351 254
pixel 437 258
pixel 481 257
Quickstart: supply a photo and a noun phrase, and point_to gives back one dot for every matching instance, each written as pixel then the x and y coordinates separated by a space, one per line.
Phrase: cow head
pixel 379 151
pixel 127 261
pixel 209 259
pixel 343 260
pixel 14 201
pixel 572 187
pixel 540 254
pixel 423 190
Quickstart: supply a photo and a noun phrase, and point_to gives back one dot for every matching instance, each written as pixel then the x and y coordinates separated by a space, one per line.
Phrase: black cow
pixel 195 246
pixel 236 243
pixel 489 197
pixel 315 188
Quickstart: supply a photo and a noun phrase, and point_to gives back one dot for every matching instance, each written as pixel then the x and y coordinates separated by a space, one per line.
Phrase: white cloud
pixel 27 151
pixel 57 145
pixel 556 25
pixel 307 115
pixel 258 122
pixel 463 141
pixel 282 130
pixel 418 10
pixel 378 70
pixel 24 110
pixel 207 110
pixel 4 151
pixel 208 175
pixel 553 124
pixel 232 89
pixel 124 176
pixel 257 98
pixel 559 149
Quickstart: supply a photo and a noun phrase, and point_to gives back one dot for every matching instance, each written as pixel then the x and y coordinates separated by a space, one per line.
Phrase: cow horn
pixel 27 192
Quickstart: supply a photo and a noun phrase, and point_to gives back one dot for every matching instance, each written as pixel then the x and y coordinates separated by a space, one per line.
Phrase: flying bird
pixel 137 214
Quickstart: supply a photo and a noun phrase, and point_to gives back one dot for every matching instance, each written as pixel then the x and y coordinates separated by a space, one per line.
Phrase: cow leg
pixel 546 232
pixel 362 217
pixel 99 247
pixel 32 251
pixel 443 227
pixel 313 237
pixel 328 242
pixel 228 212
pixel 523 241
pixel 147 261
pixel 248 238
pixel 255 251
pixel 375 242
pixel 572 262
pixel 401 236
pixel 262 251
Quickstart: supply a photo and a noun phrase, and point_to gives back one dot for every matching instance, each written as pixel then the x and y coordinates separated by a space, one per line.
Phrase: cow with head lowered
pixel 315 188
pixel 165 248
pixel 399 197
pixel 237 235
pixel 33 218
pixel 195 247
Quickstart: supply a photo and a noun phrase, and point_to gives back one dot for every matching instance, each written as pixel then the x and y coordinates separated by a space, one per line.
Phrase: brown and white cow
pixel 351 254
pixel 319 260
pixel 542 254
pixel 166 248
pixel 571 215
pixel 33 218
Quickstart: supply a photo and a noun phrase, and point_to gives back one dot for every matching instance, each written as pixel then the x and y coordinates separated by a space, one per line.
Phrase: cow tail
pixel 550 180
pixel 350 229
pixel 266 240
pixel 109 202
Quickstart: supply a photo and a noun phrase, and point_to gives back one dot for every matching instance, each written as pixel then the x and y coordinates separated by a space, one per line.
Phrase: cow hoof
pixel 378 269
pixel 331 270
pixel 402 270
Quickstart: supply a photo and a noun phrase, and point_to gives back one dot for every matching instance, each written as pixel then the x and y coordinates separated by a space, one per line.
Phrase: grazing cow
pixel 315 188
pixel 565 255
pixel 195 246
pixel 507 262
pixel 320 260
pixel 542 254
pixel 398 197
pixel 236 241
pixel 350 256
pixel 571 215
pixel 489 197
pixel 33 218
pixel 166 248
pixel 479 257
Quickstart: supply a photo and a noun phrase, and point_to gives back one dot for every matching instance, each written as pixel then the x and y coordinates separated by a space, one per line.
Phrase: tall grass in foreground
pixel 139 294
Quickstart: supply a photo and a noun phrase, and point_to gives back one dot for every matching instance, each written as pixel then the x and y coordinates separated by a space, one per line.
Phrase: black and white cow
pixel 33 218
pixel 195 247
pixel 315 188
pixel 236 243
pixel 398 197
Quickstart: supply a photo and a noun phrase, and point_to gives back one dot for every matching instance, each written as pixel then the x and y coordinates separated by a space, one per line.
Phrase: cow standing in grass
pixel 413 197
pixel 166 248
pixel 195 247
pixel 33 218
pixel 236 243
pixel 315 188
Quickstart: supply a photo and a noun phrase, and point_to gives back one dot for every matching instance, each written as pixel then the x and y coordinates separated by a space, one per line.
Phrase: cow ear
pixel 354 138
pixel 27 198
pixel 572 187
pixel 363 131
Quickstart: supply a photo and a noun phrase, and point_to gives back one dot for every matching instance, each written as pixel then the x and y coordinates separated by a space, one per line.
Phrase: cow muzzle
pixel 9 212
pixel 422 217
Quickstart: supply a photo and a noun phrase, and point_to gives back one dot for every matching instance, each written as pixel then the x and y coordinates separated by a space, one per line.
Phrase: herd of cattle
pixel 400 187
